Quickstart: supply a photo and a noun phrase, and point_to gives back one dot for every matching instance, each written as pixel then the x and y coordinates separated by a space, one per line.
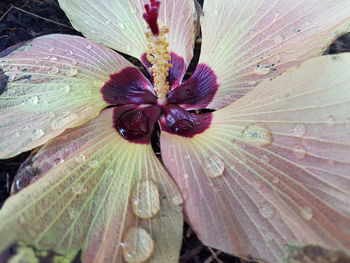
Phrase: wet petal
pixel 273 168
pixel 109 196
pixel 245 42
pixel 49 84
pixel 119 24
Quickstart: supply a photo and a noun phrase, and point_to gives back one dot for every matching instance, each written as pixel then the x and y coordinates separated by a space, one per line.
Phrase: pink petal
pixel 91 190
pixel 273 168
pixel 49 84
pixel 120 25
pixel 245 42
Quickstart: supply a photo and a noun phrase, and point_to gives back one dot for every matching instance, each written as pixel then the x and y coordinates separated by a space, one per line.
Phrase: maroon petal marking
pixel 198 91
pixel 129 86
pixel 178 121
pixel 136 123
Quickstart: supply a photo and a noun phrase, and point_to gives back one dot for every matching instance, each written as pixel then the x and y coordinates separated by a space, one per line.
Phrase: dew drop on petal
pixel 275 180
pixel 70 52
pixel 53 70
pixel 145 199
pixel 214 166
pixel 306 213
pixel 98 83
pixel 53 59
pixel 177 199
pixel 278 39
pixel 299 152
pixel 267 210
pixel 186 156
pixel 331 120
pixel 94 163
pixel 63 120
pixel 37 134
pixel 51 49
pixel 108 22
pixel 78 189
pixel 261 70
pixel 33 100
pixel 80 158
pixel 121 25
pixel 298 130
pixel 137 245
pixel 88 46
pixel 73 214
pixel 257 135
pixel 265 159
pixel 66 88
pixel 72 72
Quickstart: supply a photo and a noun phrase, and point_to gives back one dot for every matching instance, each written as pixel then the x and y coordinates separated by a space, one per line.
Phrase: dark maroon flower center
pixel 138 110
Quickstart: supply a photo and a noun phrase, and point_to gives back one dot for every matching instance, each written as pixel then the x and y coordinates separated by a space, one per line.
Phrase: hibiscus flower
pixel 266 170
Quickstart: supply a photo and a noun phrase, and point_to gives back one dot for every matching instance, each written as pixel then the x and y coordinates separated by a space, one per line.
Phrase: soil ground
pixel 22 20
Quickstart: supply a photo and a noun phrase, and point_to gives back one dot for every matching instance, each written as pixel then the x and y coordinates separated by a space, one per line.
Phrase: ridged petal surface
pixel 273 168
pixel 245 42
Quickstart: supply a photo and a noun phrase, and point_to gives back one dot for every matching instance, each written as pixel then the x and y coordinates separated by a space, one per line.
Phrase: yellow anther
pixel 159 56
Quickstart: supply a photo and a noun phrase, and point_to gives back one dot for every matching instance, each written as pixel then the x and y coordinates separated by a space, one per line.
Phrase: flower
pixel 267 169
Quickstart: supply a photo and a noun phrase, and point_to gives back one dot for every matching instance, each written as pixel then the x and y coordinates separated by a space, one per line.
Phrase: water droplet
pixel 265 159
pixel 94 163
pixel 73 214
pixel 53 58
pixel 275 180
pixel 98 83
pixel 269 237
pixel 66 88
pixel 257 135
pixel 182 126
pixel 186 156
pixel 214 166
pixel 121 25
pixel 74 62
pixel 33 100
pixel 81 158
pixel 261 71
pixel 70 52
pixel 72 72
pixel 63 120
pixel 252 83
pixel 177 199
pixel 267 210
pixel 299 152
pixel 306 213
pixel 109 172
pixel 108 22
pixel 298 130
pixel 145 199
pixel 17 134
pixel 78 189
pixel 37 134
pixel 51 49
pixel 278 39
pixel 53 70
pixel 137 245
pixel 88 46
pixel 331 120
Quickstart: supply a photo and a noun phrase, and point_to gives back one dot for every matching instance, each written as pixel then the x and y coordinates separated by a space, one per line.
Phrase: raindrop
pixel 63 120
pixel 98 83
pixel 53 70
pixel 262 70
pixel 53 58
pixel 70 52
pixel 137 245
pixel 33 100
pixel 214 166
pixel 108 22
pixel 177 199
pixel 145 199
pixel 78 189
pixel 331 120
pixel 66 88
pixel 299 152
pixel 267 210
pixel 74 62
pixel 275 180
pixel 37 134
pixel 17 134
pixel 72 72
pixel 81 158
pixel 94 163
pixel 298 130
pixel 73 214
pixel 306 213
pixel 257 135
pixel 121 25
pixel 88 46
pixel 265 159
pixel 51 49
pixel 252 83
pixel 186 156
pixel 278 39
